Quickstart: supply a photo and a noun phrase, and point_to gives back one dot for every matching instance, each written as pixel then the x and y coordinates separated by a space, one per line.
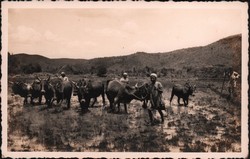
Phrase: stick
pixel 223 83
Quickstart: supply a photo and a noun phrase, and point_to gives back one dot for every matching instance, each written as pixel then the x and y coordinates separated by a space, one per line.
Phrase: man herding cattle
pixel 231 77
pixel 155 97
pixel 124 78
pixel 232 83
pixel 64 77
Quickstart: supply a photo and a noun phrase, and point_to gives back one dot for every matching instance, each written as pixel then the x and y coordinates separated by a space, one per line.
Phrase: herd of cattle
pixel 115 91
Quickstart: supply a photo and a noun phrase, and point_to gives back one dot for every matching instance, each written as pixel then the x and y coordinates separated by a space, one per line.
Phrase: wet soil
pixel 210 123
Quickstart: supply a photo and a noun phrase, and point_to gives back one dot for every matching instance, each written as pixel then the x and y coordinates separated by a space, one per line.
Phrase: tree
pixel 31 68
pixel 101 71
pixel 13 64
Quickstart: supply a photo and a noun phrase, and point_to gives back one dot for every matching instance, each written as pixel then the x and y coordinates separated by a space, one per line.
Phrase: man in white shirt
pixel 124 78
pixel 64 77
pixel 232 83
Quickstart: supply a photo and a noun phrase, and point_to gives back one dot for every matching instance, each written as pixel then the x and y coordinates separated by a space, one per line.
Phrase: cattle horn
pixel 48 78
pixel 38 78
pixel 136 85
pixel 74 83
pixel 136 97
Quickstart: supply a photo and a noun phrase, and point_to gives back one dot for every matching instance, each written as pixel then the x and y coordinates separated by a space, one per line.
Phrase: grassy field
pixel 211 123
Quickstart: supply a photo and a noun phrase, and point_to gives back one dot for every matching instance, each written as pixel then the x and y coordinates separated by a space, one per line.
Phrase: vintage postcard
pixel 124 79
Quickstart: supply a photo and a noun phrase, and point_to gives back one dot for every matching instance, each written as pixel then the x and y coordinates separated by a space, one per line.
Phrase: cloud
pixel 130 26
pixel 111 32
pixel 50 36
pixel 24 34
pixel 89 44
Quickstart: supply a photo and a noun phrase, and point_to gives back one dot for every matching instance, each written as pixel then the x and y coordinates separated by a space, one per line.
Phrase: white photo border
pixel 216 5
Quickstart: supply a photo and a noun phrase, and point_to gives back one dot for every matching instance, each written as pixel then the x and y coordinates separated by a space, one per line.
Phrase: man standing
pixel 63 77
pixel 232 83
pixel 155 94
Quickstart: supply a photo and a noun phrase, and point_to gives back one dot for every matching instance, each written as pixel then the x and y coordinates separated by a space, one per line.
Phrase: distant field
pixel 211 123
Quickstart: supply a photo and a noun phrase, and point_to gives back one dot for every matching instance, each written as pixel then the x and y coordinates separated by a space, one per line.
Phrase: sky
pixel 100 32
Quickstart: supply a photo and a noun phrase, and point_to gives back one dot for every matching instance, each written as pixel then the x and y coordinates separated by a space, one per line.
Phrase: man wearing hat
pixel 232 83
pixel 63 77
pixel 156 90
pixel 124 78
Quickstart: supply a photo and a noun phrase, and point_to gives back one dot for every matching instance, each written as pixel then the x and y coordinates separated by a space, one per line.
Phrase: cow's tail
pixel 172 95
pixel 107 83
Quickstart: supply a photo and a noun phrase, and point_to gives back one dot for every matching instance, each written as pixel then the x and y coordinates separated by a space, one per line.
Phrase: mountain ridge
pixel 225 53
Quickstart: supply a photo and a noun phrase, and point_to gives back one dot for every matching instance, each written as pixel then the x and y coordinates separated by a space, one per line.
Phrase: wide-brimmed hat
pixel 62 73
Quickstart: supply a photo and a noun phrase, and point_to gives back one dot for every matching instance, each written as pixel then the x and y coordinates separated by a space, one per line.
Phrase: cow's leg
pixel 49 103
pixel 40 99
pixel 52 100
pixel 150 116
pixel 68 102
pixel 179 100
pixel 32 100
pixel 25 100
pixel 144 105
pixel 88 102
pixel 125 108
pixel 172 95
pixel 118 107
pixel 95 99
pixel 161 114
pixel 84 106
pixel 111 103
pixel 57 101
pixel 184 101
pixel 111 106
pixel 116 102
pixel 103 99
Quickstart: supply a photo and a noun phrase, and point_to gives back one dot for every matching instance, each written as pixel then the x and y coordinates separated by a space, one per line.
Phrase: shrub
pixel 31 68
pixel 101 71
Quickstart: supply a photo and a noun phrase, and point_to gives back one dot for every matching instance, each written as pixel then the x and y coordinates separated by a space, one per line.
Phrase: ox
pixel 22 89
pixel 182 92
pixel 46 89
pixel 36 90
pixel 77 85
pixel 118 92
pixel 63 91
pixel 87 90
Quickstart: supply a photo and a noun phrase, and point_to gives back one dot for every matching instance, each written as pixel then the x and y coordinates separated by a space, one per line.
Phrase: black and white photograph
pixel 125 79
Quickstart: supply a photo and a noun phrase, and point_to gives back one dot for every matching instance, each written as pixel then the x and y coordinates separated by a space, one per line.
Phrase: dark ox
pixel 36 91
pixel 22 89
pixel 46 89
pixel 76 85
pixel 86 90
pixel 118 92
pixel 182 92
pixel 63 91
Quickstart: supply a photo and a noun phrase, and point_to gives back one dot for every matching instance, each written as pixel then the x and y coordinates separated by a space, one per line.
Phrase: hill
pixel 202 61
